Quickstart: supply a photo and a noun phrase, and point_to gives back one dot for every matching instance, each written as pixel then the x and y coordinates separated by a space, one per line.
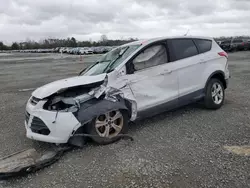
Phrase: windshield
pixel 110 60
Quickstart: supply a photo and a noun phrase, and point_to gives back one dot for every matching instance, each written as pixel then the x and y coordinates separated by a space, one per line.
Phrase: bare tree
pixel 104 38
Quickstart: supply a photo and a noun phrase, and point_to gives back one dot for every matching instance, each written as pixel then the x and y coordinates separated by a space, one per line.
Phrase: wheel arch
pixel 219 75
pixel 91 109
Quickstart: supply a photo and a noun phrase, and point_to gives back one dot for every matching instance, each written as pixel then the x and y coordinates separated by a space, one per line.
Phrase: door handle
pixel 166 72
pixel 202 61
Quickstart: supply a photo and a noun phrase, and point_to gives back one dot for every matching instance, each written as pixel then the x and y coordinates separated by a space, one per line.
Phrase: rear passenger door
pixel 191 65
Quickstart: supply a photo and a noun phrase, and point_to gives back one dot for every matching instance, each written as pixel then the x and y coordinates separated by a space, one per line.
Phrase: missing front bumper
pixel 28 161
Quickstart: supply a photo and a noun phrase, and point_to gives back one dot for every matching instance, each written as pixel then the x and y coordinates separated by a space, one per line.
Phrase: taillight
pixel 223 54
pixel 243 43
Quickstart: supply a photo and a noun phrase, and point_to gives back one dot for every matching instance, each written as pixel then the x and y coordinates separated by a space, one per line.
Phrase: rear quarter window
pixel 203 45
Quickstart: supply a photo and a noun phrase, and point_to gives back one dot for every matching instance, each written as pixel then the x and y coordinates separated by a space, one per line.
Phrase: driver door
pixel 154 81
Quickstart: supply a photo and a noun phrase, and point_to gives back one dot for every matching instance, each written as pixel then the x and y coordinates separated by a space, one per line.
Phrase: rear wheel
pixel 215 94
pixel 106 127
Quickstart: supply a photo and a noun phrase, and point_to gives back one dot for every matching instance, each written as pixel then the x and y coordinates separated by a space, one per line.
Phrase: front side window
pixel 203 45
pixel 183 48
pixel 111 60
pixel 151 56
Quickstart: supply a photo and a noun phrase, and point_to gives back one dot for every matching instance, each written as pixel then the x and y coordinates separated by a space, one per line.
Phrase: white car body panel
pixel 60 130
pixel 214 62
pixel 54 87
pixel 154 86
pixel 194 71
pixel 189 69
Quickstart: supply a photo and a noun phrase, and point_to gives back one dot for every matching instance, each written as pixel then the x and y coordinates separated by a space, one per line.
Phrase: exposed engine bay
pixel 73 99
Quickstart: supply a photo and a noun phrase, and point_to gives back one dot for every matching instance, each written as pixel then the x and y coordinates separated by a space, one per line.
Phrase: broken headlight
pixel 57 104
pixel 67 104
pixel 33 100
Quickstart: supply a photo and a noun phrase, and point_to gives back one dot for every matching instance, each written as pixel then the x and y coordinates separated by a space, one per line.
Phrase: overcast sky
pixel 89 19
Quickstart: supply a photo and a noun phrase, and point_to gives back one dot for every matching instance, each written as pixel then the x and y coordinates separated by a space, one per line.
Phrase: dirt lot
pixel 182 148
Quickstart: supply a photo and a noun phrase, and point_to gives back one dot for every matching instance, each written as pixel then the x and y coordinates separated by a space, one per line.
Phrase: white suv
pixel 136 80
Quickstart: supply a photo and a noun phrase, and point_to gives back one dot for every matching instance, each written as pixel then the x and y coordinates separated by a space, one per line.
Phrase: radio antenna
pixel 187 32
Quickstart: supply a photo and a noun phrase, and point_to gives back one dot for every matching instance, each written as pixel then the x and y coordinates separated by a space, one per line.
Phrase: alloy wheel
pixel 109 124
pixel 217 93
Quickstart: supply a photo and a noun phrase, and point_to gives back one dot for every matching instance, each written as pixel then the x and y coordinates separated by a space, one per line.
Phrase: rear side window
pixel 183 48
pixel 203 45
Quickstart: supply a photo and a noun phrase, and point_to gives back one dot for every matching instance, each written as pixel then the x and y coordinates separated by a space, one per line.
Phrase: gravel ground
pixel 181 148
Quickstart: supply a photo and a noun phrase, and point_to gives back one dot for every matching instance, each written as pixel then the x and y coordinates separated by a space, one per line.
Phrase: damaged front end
pixel 61 118
pixel 73 107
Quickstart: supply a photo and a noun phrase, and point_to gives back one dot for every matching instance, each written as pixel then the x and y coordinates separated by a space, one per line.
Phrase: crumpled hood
pixel 53 87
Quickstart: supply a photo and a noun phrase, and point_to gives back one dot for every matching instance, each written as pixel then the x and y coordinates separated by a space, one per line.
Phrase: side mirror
pixel 130 68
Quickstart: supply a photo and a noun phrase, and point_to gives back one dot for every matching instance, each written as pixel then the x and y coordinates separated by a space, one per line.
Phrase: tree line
pixel 69 42
pixel 72 42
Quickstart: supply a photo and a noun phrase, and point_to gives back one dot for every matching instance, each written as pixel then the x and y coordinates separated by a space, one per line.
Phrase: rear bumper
pixel 227 82
pixel 227 76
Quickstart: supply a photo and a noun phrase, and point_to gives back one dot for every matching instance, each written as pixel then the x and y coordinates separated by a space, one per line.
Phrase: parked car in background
pixel 108 48
pixel 85 50
pixel 99 50
pixel 239 44
pixel 77 51
pixel 218 42
pixel 69 50
pixel 74 51
pixel 56 50
pixel 226 45
pixel 65 50
pixel 61 50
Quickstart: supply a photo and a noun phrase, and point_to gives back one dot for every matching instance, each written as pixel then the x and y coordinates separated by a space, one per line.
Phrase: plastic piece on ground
pixel 28 161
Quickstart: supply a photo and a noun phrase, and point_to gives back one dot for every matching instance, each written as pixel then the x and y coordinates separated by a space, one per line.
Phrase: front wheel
pixel 106 127
pixel 215 94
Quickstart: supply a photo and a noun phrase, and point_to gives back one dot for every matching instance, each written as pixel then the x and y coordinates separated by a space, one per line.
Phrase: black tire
pixel 208 100
pixel 90 129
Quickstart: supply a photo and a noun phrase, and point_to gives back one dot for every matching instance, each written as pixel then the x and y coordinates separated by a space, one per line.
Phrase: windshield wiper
pixel 112 62
pixel 87 68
